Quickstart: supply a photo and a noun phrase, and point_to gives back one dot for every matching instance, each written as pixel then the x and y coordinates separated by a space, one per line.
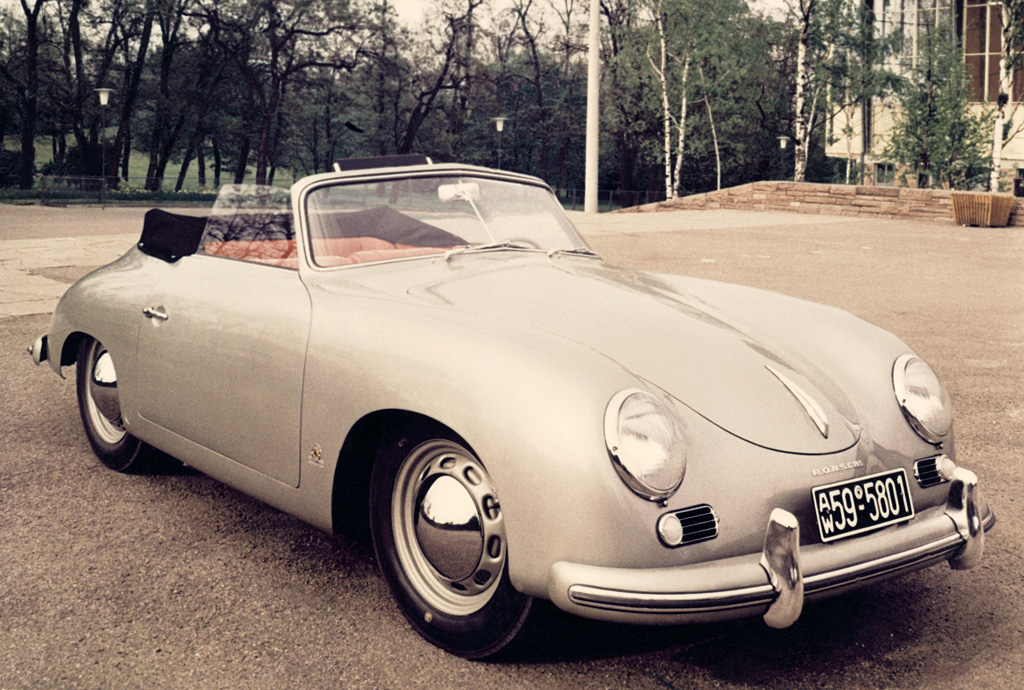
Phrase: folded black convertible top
pixel 170 236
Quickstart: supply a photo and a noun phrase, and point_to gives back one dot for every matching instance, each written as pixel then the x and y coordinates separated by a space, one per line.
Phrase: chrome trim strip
pixel 810 405
pixel 651 602
pixel 937 550
pixel 763 595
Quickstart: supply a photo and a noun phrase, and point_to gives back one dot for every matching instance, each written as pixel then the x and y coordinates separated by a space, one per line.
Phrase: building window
pixel 979 24
pixel 885 175
pixel 911 19
pixel 983 38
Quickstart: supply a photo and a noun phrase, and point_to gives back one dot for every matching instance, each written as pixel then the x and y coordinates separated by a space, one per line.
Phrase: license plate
pixel 861 505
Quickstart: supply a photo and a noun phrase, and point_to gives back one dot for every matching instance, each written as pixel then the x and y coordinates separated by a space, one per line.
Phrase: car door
pixel 221 359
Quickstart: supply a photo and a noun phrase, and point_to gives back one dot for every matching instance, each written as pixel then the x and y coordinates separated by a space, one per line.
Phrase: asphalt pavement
pixel 174 580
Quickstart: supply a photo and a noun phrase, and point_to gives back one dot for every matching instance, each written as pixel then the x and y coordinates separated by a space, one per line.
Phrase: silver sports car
pixel 431 355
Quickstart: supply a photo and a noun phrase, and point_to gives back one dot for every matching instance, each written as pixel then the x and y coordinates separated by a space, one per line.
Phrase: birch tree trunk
pixel 801 125
pixel 677 182
pixel 666 113
pixel 714 132
pixel 997 149
pixel 1005 86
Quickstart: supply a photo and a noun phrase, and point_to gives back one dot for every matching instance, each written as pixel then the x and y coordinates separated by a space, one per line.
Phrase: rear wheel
pixel 100 407
pixel 439 534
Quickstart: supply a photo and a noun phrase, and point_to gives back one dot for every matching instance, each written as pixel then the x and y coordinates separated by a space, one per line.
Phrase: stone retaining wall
pixel 830 199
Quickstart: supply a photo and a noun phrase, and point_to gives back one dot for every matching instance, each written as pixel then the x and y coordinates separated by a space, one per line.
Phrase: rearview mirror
pixel 461 191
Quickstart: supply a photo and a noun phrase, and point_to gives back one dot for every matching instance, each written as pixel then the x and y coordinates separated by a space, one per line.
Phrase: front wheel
pixel 100 407
pixel 439 534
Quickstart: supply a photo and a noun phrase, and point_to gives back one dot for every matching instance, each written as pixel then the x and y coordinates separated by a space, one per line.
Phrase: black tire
pixel 99 407
pixel 471 609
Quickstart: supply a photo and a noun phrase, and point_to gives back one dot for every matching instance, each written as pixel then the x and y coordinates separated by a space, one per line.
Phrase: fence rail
pixel 62 191
pixel 609 199
pixel 65 190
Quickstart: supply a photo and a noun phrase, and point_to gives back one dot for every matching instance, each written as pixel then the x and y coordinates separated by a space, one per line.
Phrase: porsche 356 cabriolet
pixel 431 354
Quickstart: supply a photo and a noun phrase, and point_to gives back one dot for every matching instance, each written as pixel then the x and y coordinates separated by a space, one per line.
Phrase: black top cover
pixel 391 225
pixel 399 160
pixel 170 236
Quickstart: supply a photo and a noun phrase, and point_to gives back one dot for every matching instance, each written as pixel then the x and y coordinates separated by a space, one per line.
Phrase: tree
pixel 661 68
pixel 139 24
pixel 26 84
pixel 454 45
pixel 385 73
pixel 702 38
pixel 627 94
pixel 1011 64
pixel 935 132
pixel 169 107
pixel 857 72
pixel 569 44
pixel 805 99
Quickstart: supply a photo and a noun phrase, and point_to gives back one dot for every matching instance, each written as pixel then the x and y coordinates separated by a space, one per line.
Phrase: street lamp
pixel 783 144
pixel 104 95
pixel 499 124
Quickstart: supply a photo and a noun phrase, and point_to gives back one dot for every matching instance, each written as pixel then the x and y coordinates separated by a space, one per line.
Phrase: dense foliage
pixel 695 93
pixel 935 133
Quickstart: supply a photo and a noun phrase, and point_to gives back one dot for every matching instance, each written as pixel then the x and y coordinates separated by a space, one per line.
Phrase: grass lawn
pixel 138 165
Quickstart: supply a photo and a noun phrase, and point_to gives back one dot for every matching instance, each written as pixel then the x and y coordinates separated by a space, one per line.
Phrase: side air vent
pixel 933 471
pixel 688 526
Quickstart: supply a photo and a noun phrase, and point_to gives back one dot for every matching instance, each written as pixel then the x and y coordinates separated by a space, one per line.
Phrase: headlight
pixel 645 441
pixel 922 398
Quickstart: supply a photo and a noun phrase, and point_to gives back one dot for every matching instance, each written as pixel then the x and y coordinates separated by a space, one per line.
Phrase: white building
pixel 978 26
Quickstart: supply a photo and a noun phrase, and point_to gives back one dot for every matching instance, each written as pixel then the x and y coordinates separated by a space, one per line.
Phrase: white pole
pixel 593 108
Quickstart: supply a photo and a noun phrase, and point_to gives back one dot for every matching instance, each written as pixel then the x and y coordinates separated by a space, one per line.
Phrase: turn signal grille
pixel 700 523
pixel 927 472
pixel 688 526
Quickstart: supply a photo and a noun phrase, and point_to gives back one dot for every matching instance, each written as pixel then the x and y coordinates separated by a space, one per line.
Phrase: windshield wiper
pixel 489 246
pixel 575 251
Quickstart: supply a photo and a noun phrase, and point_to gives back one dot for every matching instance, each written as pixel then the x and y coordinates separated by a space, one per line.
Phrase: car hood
pixel 763 392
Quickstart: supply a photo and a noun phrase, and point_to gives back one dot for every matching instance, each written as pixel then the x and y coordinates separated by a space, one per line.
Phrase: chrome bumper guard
pixel 780 558
pixel 38 350
pixel 779 590
pixel 964 506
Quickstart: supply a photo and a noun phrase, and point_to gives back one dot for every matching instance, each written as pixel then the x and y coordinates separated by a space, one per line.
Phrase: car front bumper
pixel 39 350
pixel 776 583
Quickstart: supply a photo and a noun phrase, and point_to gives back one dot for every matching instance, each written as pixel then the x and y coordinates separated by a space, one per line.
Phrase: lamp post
pixel 499 124
pixel 590 178
pixel 104 95
pixel 783 144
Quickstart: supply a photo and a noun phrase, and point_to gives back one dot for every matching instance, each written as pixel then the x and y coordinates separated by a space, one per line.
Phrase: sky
pixel 411 11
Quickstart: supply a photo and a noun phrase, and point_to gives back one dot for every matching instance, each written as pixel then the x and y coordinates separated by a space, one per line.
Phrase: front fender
pixel 530 404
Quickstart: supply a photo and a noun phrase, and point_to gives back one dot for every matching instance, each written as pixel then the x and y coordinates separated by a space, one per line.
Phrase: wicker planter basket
pixel 981 208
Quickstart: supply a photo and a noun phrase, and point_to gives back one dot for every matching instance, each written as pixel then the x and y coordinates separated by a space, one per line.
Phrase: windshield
pixel 251 223
pixel 382 220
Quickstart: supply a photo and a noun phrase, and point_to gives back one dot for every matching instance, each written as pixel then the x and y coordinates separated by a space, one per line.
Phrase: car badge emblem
pixel 316 456
pixel 811 407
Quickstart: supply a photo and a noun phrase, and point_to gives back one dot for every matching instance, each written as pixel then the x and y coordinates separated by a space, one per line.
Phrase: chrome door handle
pixel 151 313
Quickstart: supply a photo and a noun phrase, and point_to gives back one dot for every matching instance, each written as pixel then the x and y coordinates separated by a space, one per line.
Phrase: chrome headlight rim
pixel 938 431
pixel 616 448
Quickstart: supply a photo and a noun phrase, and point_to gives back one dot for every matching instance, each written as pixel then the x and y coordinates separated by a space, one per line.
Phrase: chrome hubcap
pixel 448 527
pixel 102 403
